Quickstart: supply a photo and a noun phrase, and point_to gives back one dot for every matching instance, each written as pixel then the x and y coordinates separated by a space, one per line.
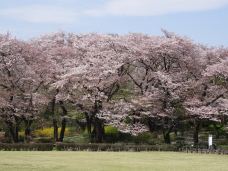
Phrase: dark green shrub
pixel 144 138
pixel 180 142
pixel 21 138
pixel 84 147
pixel 26 147
pixel 125 138
pixel 224 147
pixel 80 138
pixel 43 140
pixel 113 147
pixel 111 134
pixel 167 147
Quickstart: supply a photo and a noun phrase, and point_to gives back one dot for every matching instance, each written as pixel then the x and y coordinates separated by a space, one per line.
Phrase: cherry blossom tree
pixel 163 70
pixel 58 52
pixel 19 85
pixel 207 94
pixel 93 76
pixel 157 70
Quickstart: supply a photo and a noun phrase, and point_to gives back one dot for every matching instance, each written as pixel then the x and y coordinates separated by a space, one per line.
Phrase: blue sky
pixel 204 21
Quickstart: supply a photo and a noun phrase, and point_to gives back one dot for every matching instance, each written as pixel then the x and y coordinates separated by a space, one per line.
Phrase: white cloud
pixel 40 14
pixel 66 13
pixel 154 7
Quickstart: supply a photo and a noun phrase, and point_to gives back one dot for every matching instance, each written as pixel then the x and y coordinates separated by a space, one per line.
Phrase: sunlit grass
pixel 111 161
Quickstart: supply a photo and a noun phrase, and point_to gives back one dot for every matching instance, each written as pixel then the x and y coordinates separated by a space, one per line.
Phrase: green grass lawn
pixel 110 161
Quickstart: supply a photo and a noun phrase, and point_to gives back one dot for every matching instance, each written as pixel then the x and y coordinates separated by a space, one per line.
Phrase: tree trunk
pixel 62 132
pixel 28 124
pixel 88 123
pixel 89 126
pixel 98 132
pixel 151 125
pixel 54 120
pixel 17 133
pixel 166 133
pixel 196 132
pixel 64 121
pixel 166 136
pixel 17 124
pixel 55 126
pixel 13 130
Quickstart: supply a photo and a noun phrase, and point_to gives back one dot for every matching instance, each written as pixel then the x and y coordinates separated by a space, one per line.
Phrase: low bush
pixel 222 141
pixel 85 147
pixel 26 147
pixel 43 140
pixel 224 147
pixel 111 134
pixel 81 138
pixel 180 142
pixel 111 130
pixel 144 138
pixel 113 147
pixel 125 138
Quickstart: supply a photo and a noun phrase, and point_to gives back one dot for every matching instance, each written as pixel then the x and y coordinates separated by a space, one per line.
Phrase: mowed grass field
pixel 110 161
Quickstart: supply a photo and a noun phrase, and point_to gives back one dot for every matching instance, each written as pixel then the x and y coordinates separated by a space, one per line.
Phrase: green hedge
pixel 113 147
pixel 26 147
pixel 94 147
pixel 84 147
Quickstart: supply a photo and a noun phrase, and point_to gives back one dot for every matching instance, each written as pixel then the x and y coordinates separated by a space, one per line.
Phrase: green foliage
pixel 180 142
pixel 21 133
pixel 179 110
pixel 124 92
pixel 80 138
pixel 220 80
pixel 125 138
pixel 224 147
pixel 217 129
pixel 111 130
pixel 111 134
pixel 128 120
pixel 75 115
pixel 144 138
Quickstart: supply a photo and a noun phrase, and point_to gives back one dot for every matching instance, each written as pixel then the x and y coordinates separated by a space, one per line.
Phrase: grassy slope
pixel 110 161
